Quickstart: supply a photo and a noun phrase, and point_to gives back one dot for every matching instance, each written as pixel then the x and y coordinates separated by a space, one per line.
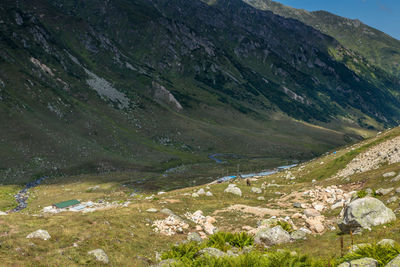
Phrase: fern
pixel 381 253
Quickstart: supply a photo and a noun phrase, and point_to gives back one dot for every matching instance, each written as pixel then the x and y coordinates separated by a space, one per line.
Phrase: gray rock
pixel 195 195
pixel 387 242
pixel 383 191
pixel 297 205
pixel 2 213
pixel 209 194
pixel 233 190
pixel 356 247
pixel 391 200
pixel 212 252
pixel 167 212
pixel 201 192
pixel 261 198
pixel 395 262
pixel 271 236
pixel 99 255
pixel 194 237
pixel 364 262
pixel 256 190
pixel 364 213
pixel 389 174
pixel 344 264
pixel 298 235
pixel 396 179
pixel 397 190
pixel 39 234
pixel 311 213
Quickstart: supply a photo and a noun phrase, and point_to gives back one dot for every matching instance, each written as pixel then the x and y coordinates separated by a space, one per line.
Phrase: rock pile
pixel 204 223
pixel 170 225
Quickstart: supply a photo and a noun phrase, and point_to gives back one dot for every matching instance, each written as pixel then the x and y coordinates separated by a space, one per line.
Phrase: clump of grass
pixel 381 253
pixel 183 252
pixel 363 193
pixel 285 226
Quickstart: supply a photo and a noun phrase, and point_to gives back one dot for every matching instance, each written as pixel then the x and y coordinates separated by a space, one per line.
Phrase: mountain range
pixel 149 85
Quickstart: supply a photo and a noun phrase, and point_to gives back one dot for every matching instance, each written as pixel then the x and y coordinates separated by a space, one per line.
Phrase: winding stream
pixel 22 196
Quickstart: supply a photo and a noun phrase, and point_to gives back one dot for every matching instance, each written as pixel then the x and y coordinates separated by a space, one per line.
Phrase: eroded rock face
pixel 365 213
pixel 271 236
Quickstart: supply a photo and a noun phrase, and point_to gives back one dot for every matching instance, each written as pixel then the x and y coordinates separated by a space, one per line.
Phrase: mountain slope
pixel 379 48
pixel 89 86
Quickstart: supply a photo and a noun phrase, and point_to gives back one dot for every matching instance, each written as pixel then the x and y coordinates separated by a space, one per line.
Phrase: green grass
pixel 383 254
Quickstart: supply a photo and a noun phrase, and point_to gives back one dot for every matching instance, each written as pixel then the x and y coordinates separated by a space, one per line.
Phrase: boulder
pixel 233 190
pixel 364 262
pixel 364 213
pixel 271 236
pixel 195 195
pixel 315 225
pixel 397 190
pixel 261 198
pixel 298 235
pixel 387 242
pixel 166 263
pixel 211 252
pixel 256 190
pixel 209 194
pixel 201 192
pixel 2 213
pixel 383 191
pixel 389 174
pixel 311 213
pixel 344 264
pixel 194 237
pixel 99 255
pixel 297 205
pixel 39 234
pixel 395 262
pixel 356 247
pixel 391 200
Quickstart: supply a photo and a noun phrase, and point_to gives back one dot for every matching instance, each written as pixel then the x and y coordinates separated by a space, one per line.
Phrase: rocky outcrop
pixel 364 213
pixel 271 236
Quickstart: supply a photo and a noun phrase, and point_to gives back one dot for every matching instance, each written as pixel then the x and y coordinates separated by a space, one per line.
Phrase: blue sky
pixel 383 15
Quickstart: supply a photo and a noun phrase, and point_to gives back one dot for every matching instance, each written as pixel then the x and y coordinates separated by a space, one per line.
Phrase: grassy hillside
pixel 126 234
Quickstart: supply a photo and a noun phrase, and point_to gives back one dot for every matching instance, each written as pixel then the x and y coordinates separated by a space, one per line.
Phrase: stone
pixel 256 190
pixel 298 235
pixel 297 216
pixel 2 213
pixel 392 199
pixel 364 213
pixel 297 205
pixel 195 195
pixel 395 262
pixel 209 194
pixel 194 237
pixel 305 230
pixel 344 264
pixel 39 234
pixel 383 192
pixel 261 198
pixel 397 190
pixel 364 262
pixel 395 179
pixel 168 212
pixel 356 247
pixel 311 213
pixel 152 210
pixel 271 236
pixel 315 225
pixel 318 206
pixel 201 192
pixel 99 255
pixel 389 174
pixel 161 193
pixel 387 242
pixel 339 204
pixel 233 190
pixel 212 252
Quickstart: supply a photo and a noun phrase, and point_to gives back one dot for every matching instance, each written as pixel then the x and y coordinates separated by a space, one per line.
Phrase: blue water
pixel 249 175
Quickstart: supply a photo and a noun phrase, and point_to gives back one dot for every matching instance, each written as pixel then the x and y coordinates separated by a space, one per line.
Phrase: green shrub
pixel 382 253
pixel 224 241
pixel 361 194
pixel 183 252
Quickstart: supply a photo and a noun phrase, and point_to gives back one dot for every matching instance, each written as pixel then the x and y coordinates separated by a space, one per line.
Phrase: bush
pixel 224 241
pixel 382 253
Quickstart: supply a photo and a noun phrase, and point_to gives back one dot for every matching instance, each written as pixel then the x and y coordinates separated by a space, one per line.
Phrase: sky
pixel 383 15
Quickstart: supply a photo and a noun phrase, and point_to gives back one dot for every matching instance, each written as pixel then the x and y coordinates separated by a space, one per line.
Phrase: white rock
pixel 99 255
pixel 195 195
pixel 201 192
pixel 233 190
pixel 152 210
pixel 2 213
pixel 209 194
pixel 40 234
pixel 256 190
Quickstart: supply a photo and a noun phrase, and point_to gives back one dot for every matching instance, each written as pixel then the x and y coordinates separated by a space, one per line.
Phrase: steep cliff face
pixel 116 85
